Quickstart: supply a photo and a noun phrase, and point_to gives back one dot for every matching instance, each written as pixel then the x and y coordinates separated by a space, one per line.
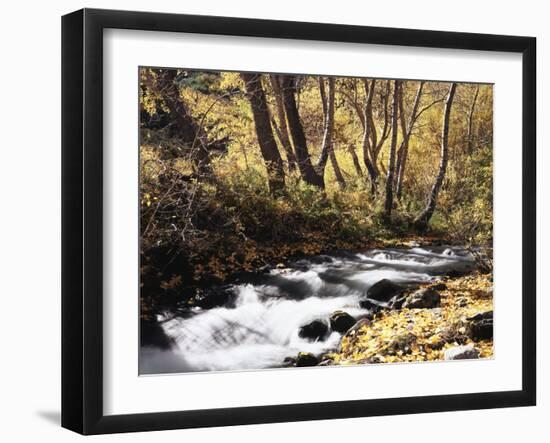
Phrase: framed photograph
pixel 269 221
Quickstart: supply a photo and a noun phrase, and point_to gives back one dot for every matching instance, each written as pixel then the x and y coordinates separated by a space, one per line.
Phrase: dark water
pixel 261 328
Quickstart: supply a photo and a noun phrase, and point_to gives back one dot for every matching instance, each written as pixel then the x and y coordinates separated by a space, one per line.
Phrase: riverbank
pixel 409 335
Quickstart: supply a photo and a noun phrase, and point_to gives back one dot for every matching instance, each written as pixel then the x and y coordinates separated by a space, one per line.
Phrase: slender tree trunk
pixel 403 126
pixel 336 167
pixel 189 132
pixel 424 218
pixel 282 129
pixel 328 121
pixel 355 159
pixel 368 135
pixel 323 95
pixel 388 205
pixel 328 108
pixel 266 140
pixel 470 140
pixel 378 142
pixel 297 133
pixel 404 149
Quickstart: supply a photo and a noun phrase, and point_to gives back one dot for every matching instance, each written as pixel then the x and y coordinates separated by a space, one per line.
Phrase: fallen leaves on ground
pixel 422 334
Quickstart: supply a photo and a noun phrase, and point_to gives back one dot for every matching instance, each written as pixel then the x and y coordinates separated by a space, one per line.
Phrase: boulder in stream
pixel 304 359
pixel 423 298
pixel 372 306
pixel 215 297
pixel 316 330
pixel 384 290
pixel 365 321
pixel 289 362
pixel 341 321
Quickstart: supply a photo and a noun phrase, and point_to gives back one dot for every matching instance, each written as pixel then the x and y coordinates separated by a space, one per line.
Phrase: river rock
pixel 439 286
pixel 384 290
pixel 316 330
pixel 341 321
pixel 461 353
pixel 373 307
pixel 397 301
pixel 403 342
pixel 304 359
pixel 216 297
pixel 423 298
pixel 360 323
pixel 326 362
pixel 480 326
pixel 289 362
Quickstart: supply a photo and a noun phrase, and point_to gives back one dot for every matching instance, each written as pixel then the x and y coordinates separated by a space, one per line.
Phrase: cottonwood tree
pixel 469 134
pixel 307 171
pixel 406 128
pixel 388 204
pixel 281 127
pixel 355 160
pixel 368 131
pixel 266 140
pixel 373 138
pixel 327 149
pixel 424 218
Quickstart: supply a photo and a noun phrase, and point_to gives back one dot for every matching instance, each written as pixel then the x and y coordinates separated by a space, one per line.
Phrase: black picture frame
pixel 82 215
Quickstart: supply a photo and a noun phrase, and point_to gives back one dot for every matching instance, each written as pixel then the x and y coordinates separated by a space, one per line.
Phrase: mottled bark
pixel 355 159
pixel 297 133
pixel 424 218
pixel 266 140
pixel 388 204
pixel 328 117
pixel 281 127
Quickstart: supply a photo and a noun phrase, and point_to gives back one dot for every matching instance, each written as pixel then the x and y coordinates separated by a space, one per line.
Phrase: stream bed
pixel 261 325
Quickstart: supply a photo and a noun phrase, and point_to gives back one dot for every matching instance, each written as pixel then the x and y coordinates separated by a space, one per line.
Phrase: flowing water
pixel 261 327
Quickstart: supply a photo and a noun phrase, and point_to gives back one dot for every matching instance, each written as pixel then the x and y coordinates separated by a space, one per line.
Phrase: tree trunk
pixel 328 114
pixel 403 126
pixel 404 149
pixel 282 129
pixel 189 132
pixel 297 133
pixel 388 205
pixel 470 141
pixel 264 133
pixel 368 136
pixel 424 218
pixel 355 159
pixel 336 167
pixel 378 142
pixel 328 119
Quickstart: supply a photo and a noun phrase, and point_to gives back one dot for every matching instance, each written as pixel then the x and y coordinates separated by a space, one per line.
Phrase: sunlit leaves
pixel 425 331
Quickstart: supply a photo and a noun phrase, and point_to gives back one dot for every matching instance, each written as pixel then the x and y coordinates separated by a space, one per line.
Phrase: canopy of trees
pixel 239 169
